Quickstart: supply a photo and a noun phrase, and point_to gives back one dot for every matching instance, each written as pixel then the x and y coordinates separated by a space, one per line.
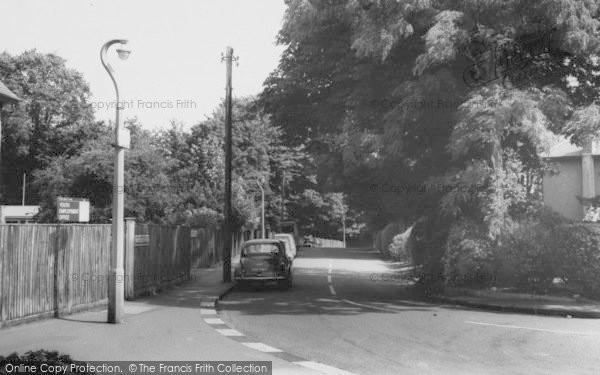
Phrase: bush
pixel 428 237
pixel 467 258
pixel 38 358
pixel 537 252
pixel 384 238
pixel 580 246
pixel 400 248
pixel 529 257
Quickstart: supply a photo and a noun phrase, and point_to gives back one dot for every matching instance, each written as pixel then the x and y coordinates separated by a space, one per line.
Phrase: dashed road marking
pixel 229 332
pixel 262 347
pixel 330 370
pixel 533 329
pixel 214 321
pixel 209 308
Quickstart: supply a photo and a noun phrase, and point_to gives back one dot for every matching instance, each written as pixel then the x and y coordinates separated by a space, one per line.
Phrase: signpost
pixel 73 210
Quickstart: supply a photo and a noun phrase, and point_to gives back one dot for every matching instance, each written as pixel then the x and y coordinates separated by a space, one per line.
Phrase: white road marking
pixel 213 321
pixel 369 306
pixel 207 304
pixel 533 329
pixel 229 332
pixel 331 290
pixel 262 347
pixel 326 369
pixel 208 312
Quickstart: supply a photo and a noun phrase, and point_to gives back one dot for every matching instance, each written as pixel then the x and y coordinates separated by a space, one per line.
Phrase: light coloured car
pixel 289 242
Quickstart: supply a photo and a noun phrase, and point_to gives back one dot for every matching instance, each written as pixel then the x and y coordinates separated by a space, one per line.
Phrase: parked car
pixel 308 242
pixel 289 242
pixel 264 260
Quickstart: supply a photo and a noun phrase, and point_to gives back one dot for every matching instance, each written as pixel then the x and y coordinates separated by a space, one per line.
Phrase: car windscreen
pixel 285 240
pixel 260 249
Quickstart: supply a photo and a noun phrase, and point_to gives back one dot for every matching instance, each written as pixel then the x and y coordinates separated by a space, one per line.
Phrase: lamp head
pixel 123 53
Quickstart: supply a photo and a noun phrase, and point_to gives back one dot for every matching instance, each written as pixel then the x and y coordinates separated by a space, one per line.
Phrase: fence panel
pixel 163 255
pixel 326 242
pixel 51 269
pixel 207 246
pixel 145 261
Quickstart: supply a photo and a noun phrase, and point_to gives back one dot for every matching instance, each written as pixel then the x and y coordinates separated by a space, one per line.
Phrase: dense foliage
pixel 55 118
pixel 456 99
pixel 171 176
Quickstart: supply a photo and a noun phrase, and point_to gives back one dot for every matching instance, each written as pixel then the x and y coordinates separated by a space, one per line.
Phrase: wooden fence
pixel 207 246
pixel 162 256
pixel 326 242
pixel 50 270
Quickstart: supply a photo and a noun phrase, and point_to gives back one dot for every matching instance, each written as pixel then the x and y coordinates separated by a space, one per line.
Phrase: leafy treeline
pixel 437 112
pixel 171 176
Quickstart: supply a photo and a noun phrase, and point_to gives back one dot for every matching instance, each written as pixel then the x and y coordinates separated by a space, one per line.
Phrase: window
pixel 260 249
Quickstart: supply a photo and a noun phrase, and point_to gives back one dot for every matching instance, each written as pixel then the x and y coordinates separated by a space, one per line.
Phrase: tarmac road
pixel 352 310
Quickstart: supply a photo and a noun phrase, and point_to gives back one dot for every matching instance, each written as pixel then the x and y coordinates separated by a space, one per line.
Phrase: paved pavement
pixel 170 326
pixel 348 309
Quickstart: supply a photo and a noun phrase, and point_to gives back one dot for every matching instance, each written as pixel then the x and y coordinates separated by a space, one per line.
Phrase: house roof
pixel 7 96
pixel 565 149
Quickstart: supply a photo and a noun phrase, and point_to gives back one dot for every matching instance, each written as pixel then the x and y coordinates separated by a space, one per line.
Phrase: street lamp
pixel 262 209
pixel 344 227
pixel 116 279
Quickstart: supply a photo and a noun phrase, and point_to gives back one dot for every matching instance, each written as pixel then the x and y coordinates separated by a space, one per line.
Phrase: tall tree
pixel 54 119
pixel 386 92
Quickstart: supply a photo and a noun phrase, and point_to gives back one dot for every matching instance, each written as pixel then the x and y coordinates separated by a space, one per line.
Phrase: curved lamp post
pixel 116 279
pixel 344 228
pixel 262 207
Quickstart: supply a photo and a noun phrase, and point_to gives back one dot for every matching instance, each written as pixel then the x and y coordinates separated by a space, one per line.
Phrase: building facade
pixel 576 174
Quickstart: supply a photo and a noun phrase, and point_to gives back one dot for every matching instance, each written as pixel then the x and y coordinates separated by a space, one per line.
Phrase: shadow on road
pixel 353 271
pixel 275 302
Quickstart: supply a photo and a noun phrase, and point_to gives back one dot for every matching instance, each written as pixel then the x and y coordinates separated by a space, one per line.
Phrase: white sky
pixel 176 49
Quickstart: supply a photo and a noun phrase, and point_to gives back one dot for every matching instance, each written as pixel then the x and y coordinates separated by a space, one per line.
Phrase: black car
pixel 264 260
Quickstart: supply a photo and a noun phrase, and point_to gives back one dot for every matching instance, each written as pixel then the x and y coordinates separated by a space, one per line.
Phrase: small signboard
pixel 142 240
pixel 73 209
pixel 193 233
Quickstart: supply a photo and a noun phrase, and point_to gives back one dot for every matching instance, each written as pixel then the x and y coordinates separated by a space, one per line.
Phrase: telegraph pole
pixel 283 197
pixel 228 58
